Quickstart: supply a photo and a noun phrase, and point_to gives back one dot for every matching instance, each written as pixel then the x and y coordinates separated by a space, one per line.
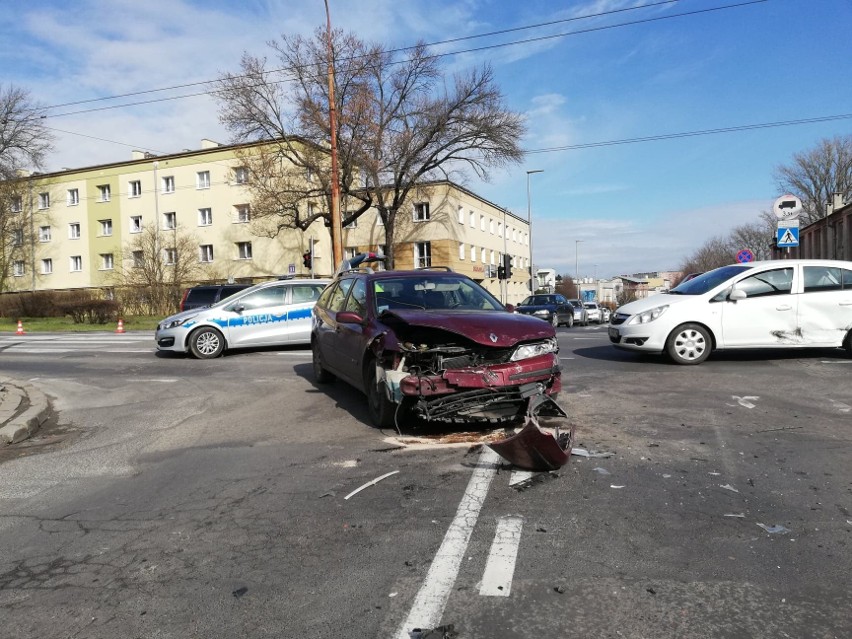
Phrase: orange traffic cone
pixel 120 328
pixel 20 330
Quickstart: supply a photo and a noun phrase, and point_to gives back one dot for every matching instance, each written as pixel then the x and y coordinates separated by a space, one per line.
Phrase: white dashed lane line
pixel 500 567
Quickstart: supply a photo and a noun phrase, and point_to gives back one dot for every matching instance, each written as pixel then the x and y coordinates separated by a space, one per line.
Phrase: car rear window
pixel 202 295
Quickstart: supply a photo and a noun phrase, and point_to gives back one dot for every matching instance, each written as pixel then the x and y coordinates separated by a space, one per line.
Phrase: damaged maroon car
pixel 433 342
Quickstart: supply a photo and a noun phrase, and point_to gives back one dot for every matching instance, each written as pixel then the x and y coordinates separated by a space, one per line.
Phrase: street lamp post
pixel 577 267
pixel 529 222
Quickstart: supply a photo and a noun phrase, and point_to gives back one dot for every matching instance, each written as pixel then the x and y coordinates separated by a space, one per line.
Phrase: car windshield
pixel 709 280
pixel 429 292
pixel 538 300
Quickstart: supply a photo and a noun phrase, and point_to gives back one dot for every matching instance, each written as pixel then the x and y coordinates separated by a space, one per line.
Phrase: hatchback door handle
pixel 784 307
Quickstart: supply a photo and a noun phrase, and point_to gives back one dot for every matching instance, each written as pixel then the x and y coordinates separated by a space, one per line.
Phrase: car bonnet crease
pixel 488 328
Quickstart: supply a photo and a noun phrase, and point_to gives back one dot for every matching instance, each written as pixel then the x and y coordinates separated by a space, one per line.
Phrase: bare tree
pixel 24 143
pixel 817 174
pixel 758 237
pixel 565 286
pixel 716 252
pixel 155 268
pixel 400 123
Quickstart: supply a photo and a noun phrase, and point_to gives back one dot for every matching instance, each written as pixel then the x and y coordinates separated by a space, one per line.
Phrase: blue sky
pixel 635 207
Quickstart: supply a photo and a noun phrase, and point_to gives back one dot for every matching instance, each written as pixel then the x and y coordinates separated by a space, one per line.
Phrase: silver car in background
pixel 274 313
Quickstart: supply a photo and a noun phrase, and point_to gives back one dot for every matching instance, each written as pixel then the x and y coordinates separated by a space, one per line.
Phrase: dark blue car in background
pixel 553 308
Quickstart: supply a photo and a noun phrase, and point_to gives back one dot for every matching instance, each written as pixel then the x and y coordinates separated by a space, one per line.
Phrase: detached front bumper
pixel 500 390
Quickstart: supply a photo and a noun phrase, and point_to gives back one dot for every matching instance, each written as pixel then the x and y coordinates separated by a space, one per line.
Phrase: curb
pixel 22 426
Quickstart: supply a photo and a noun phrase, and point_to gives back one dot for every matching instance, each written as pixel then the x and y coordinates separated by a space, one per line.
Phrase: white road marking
pixel 519 476
pixel 829 361
pixel 433 595
pixel 500 567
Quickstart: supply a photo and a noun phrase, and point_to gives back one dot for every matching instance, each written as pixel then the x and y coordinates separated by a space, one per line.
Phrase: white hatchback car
pixel 270 314
pixel 772 304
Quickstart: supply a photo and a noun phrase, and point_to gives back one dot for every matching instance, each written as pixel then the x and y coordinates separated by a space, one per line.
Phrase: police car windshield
pixel 709 280
pixel 428 293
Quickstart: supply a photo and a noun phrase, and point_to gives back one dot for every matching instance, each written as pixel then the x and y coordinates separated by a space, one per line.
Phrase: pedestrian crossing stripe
pixel 788 237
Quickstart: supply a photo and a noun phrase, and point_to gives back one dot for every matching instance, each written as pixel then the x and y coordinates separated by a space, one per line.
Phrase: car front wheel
pixel 688 344
pixel 321 375
pixel 554 320
pixel 206 343
pixel 382 410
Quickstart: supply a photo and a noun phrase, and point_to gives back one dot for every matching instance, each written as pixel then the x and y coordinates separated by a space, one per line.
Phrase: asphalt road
pixel 172 497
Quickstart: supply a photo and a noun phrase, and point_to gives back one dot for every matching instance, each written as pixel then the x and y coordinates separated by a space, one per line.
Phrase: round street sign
pixel 745 256
pixel 787 207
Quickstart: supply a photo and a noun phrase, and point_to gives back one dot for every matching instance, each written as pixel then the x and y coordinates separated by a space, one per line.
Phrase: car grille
pixel 619 318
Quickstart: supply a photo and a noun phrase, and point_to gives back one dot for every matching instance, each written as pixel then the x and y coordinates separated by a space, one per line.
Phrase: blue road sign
pixel 788 236
pixel 745 256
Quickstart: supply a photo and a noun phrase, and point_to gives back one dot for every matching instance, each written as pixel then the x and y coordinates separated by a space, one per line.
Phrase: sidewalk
pixel 23 409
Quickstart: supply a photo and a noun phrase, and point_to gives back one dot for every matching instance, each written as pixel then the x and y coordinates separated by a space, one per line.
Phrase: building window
pixel 17 237
pixel 103 193
pixel 482 223
pixel 106 261
pixel 491 226
pixel 349 252
pixel 17 203
pixel 499 229
pixel 461 251
pixel 472 220
pixel 461 215
pixel 202 180
pixel 205 217
pixel 514 235
pixel 241 175
pixel 106 227
pixel 73 197
pixel 74 231
pixel 421 212
pixel 353 224
pixel 169 221
pixel 244 250
pixel 44 234
pixel 76 263
pixel 169 184
pixel 18 268
pixel 493 258
pixel 206 252
pixel 135 223
pixel 46 266
pixel 484 256
pixel 422 254
pixel 135 188
pixel 170 255
pixel 44 200
pixel 243 213
pixel 138 259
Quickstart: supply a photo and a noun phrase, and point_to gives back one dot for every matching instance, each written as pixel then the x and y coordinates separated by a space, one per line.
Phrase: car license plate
pixel 613 333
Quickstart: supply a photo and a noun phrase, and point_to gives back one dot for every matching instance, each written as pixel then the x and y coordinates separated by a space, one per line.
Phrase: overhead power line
pixel 689 134
pixel 436 55
pixel 397 50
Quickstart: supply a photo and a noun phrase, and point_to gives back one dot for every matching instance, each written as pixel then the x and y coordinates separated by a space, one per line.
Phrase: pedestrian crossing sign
pixel 788 237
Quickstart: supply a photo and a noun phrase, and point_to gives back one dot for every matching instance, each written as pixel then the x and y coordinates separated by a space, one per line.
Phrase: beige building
pixel 84 227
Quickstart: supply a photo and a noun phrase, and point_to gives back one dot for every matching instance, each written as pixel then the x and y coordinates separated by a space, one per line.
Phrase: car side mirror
pixel 737 294
pixel 348 317
pixel 510 308
pixel 238 308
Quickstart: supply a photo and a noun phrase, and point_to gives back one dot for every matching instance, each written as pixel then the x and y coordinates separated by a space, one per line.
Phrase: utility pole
pixel 336 230
pixel 577 267
pixel 529 219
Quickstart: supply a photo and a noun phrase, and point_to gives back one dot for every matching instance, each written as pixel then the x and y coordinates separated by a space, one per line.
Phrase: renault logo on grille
pixel 493 337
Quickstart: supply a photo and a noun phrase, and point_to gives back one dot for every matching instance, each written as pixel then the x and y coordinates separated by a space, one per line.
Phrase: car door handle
pixel 784 307
pixel 849 303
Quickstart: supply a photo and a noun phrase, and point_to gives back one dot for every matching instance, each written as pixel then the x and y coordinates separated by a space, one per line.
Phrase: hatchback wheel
pixel 321 375
pixel 848 343
pixel 554 321
pixel 688 344
pixel 206 343
pixel 382 410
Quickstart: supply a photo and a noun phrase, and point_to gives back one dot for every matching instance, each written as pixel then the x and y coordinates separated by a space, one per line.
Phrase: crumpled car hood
pixel 489 328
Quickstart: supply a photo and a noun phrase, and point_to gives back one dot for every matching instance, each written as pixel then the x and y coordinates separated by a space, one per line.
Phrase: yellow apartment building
pixel 80 227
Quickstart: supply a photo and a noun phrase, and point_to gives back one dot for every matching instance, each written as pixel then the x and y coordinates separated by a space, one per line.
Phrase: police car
pixel 274 313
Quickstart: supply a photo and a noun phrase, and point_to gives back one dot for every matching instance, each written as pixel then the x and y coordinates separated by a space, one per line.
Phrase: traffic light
pixel 501 272
pixel 306 259
pixel 507 267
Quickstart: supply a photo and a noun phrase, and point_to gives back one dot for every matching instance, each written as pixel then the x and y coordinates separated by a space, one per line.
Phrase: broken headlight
pixel 534 350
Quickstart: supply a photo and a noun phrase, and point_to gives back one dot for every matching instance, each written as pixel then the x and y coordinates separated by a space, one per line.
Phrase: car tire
pixel 382 410
pixel 848 343
pixel 689 344
pixel 570 322
pixel 321 375
pixel 554 321
pixel 206 343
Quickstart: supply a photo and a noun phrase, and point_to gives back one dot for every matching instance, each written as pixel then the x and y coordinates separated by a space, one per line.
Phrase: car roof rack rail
pixel 434 268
